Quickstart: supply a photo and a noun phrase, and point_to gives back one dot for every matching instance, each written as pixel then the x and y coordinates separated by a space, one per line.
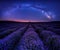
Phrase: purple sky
pixel 30 11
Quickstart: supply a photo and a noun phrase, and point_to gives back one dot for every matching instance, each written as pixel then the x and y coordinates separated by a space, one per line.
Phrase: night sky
pixel 30 11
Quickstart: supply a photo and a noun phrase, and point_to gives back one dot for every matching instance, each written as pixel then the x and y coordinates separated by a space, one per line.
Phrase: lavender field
pixel 29 35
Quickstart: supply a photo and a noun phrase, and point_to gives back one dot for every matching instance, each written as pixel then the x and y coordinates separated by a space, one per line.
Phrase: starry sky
pixel 30 11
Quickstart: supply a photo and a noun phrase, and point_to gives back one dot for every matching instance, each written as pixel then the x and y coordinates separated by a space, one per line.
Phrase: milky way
pixel 27 12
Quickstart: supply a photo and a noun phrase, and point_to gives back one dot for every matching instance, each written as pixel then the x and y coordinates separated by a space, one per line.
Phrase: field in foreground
pixel 29 36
